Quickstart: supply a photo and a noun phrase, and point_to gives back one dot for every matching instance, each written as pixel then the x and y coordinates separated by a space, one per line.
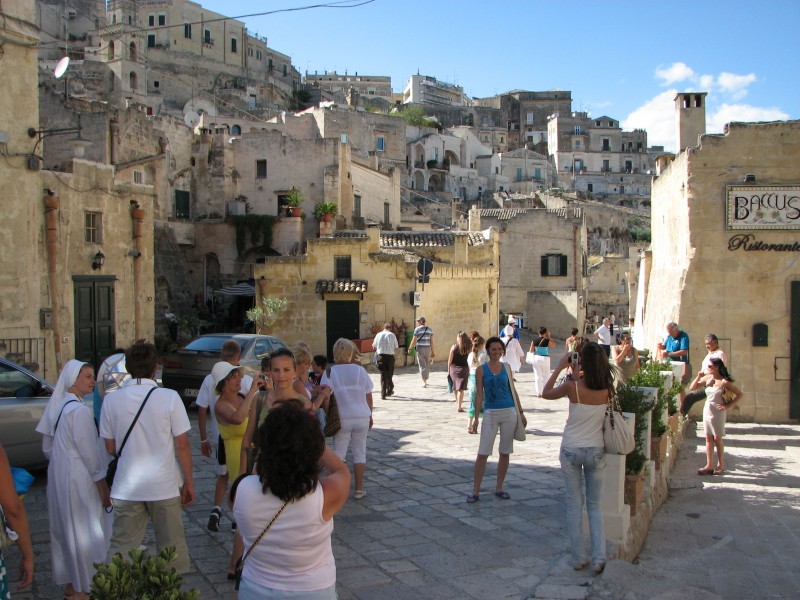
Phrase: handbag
pixel 240 563
pixel 617 436
pixel 449 384
pixel 728 396
pixel 111 470
pixel 519 431
pixel 332 423
pixel 529 357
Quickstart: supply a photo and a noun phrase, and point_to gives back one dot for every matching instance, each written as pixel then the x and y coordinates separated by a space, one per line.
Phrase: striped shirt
pixel 423 333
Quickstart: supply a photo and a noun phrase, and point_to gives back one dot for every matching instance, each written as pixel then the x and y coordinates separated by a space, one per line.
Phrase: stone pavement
pixel 414 536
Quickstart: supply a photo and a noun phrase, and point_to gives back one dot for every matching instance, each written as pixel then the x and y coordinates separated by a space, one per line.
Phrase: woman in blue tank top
pixel 496 396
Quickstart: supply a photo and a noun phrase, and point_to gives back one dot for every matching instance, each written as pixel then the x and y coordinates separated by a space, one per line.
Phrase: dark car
pixel 23 398
pixel 185 369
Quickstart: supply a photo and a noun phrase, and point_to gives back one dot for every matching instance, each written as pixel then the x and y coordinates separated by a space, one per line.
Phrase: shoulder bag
pixel 332 423
pixel 111 471
pixel 617 436
pixel 240 562
pixel 519 432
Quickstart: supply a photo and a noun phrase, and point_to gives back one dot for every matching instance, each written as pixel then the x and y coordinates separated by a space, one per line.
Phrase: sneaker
pixel 213 519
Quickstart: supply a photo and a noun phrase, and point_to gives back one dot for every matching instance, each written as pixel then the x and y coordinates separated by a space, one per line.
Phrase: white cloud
pixel 674 73
pixel 657 116
pixel 705 82
pixel 735 86
pixel 745 113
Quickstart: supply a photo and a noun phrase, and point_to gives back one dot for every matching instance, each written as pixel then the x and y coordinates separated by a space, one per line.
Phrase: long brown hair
pixel 597 373
pixel 463 343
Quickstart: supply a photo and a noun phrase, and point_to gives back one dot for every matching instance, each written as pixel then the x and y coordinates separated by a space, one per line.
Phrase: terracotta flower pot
pixel 658 449
pixel 295 211
pixel 634 491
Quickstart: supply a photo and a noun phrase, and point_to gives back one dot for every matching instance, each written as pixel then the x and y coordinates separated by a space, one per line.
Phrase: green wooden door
pixel 341 322
pixel 95 328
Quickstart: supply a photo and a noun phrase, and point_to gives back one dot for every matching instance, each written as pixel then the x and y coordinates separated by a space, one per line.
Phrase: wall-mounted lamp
pixel 40 134
pixel 749 178
pixel 98 261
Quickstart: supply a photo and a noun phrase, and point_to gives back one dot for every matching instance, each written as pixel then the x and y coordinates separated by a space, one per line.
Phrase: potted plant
pixel 634 479
pixel 650 376
pixel 140 576
pixel 293 200
pixel 325 211
pixel 633 400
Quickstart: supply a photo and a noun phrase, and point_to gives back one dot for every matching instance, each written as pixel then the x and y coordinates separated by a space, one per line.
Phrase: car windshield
pixel 207 344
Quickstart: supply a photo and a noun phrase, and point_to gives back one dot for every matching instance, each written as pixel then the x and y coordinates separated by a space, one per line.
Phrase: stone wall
pixel 698 280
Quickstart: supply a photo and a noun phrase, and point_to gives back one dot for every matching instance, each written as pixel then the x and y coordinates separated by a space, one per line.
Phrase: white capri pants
pixel 355 429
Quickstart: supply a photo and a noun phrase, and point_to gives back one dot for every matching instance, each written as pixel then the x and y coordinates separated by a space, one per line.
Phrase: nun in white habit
pixel 514 353
pixel 76 488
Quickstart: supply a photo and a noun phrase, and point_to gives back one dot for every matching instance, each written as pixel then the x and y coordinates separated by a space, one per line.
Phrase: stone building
pixel 366 85
pixel 350 283
pixel 77 243
pixel 542 264
pixel 594 155
pixel 723 259
pixel 527 171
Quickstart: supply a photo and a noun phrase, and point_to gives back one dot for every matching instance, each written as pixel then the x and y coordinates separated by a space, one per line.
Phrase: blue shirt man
pixel 513 322
pixel 676 346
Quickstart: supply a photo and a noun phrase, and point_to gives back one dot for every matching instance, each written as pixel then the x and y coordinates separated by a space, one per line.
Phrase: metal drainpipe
pixel 51 204
pixel 137 214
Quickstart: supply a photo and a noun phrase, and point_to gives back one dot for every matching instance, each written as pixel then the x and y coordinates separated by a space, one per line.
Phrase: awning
pixel 240 289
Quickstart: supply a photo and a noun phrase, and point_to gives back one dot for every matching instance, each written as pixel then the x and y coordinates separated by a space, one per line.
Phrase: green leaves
pixel 143 577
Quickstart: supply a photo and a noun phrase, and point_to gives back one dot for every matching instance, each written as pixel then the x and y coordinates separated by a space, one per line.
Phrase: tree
pixel 264 316
pixel 415 115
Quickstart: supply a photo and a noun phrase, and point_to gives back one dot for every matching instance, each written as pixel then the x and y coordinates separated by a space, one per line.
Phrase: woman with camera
pixel 291 507
pixel 625 357
pixel 582 455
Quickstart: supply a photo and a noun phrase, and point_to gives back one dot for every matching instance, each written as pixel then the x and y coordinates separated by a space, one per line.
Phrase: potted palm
pixel 293 200
pixel 325 211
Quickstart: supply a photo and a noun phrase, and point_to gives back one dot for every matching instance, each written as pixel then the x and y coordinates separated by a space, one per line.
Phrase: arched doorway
pixel 419 180
pixel 132 81
pixel 132 52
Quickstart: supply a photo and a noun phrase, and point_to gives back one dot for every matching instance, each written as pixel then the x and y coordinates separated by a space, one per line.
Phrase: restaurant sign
pixel 762 207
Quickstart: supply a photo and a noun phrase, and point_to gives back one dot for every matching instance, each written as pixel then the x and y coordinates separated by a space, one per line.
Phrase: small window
pixel 386 218
pixel 138 177
pixel 207 37
pixel 554 265
pixel 577 143
pixel 182 201
pixel 269 65
pixel 356 205
pixel 285 70
pixel 342 267
pixel 93 227
pixel 151 20
pixel 529 117
pixel 234 43
pixel 606 144
pixel 151 40
pixel 519 174
pixel 379 144
pixel 261 169
pixel 162 20
pixel 187 31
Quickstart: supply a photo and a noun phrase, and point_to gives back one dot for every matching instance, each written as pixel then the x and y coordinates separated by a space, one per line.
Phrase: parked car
pixel 23 398
pixel 185 369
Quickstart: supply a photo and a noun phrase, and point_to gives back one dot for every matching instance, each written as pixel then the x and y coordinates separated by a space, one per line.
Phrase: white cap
pixel 512 320
pixel 221 370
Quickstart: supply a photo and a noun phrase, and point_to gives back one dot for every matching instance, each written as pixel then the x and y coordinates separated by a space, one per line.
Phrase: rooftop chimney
pixel 690 119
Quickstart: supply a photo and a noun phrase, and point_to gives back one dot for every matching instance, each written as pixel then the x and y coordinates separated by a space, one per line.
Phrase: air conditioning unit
pixel 236 208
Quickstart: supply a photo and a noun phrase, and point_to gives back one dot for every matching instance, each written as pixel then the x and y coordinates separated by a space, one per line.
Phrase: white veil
pixel 67 378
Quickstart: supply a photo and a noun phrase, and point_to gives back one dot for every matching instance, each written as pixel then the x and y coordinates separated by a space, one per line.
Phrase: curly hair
pixel 494 340
pixel 291 445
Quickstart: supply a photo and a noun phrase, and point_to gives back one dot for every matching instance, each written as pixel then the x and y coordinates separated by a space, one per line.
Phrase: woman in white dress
pixel 76 488
pixel 514 354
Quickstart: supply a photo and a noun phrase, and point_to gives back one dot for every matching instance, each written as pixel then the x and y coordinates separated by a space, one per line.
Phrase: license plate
pixel 190 393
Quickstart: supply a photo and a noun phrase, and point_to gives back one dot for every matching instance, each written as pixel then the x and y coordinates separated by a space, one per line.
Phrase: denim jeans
pixel 591 463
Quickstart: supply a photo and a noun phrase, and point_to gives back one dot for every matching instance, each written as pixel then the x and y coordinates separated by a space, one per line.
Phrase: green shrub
pixel 143 577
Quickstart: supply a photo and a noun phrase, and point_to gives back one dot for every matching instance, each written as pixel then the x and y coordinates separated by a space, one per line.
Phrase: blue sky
pixel 619 58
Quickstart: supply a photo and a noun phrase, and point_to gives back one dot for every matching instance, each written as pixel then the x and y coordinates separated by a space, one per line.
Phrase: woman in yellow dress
pixel 231 412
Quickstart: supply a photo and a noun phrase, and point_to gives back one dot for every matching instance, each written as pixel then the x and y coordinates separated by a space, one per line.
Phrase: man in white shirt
pixel 230 352
pixel 714 351
pixel 603 335
pixel 149 480
pixel 385 344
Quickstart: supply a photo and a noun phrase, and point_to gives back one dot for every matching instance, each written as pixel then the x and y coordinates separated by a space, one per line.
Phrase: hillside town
pixel 168 174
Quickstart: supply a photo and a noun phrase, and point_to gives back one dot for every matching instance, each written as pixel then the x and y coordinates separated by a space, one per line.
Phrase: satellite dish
pixel 191 119
pixel 61 67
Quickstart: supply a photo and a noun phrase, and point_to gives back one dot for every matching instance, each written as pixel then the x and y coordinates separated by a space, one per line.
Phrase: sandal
pixel 705 471
pixel 502 495
pixel 359 494
pixel 472 499
pixel 719 471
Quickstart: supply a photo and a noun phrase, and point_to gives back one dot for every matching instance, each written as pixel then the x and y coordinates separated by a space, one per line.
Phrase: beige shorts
pixel 503 420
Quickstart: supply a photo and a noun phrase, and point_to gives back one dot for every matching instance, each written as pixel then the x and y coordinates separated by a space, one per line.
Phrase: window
pixel 386 219
pixel 207 37
pixel 606 144
pixel 187 31
pixel 356 205
pixel 554 265
pixel 537 174
pixel 606 166
pixel 577 130
pixel 138 177
pixel 151 40
pixel 151 20
pixel 162 20
pixel 236 130
pixel 269 65
pixel 285 70
pixel 93 227
pixel 261 169
pixel 234 42
pixel 342 268
pixel 589 187
pixel 379 145
pixel 519 174
pixel 182 199
pixel 577 143
pixel 529 117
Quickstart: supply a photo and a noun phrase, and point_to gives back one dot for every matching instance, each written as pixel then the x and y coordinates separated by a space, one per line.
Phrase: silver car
pixel 23 398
